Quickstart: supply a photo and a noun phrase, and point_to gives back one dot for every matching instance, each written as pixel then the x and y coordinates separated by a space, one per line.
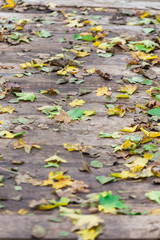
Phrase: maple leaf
pixel 62 117
pixel 150 134
pixel 109 203
pixel 9 4
pixel 130 89
pixel 154 195
pixel 103 91
pixel 55 159
pixel 84 221
pixel 137 164
pixel 7 109
pixel 75 147
pixel 27 147
pixel 26 96
pixel 50 91
pixel 90 234
pixel 76 102
pixel 116 111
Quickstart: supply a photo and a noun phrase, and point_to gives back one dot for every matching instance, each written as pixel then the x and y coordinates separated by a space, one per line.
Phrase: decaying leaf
pixel 76 102
pixel 76 147
pixel 9 4
pixel 129 89
pixel 62 117
pixel 7 109
pixel 27 146
pixel 103 91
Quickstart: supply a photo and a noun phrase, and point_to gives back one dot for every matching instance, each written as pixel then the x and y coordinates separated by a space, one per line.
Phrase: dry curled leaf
pixel 103 75
pixel 63 117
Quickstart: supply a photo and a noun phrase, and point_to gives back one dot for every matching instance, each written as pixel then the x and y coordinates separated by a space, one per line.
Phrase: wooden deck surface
pixel 51 135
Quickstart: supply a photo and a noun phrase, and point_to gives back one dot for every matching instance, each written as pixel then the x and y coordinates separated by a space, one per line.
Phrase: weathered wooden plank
pixel 137 227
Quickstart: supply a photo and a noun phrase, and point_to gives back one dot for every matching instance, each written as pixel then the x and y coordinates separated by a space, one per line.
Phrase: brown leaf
pixel 153 103
pixel 79 186
pixel 85 167
pixel 63 117
pixel 103 75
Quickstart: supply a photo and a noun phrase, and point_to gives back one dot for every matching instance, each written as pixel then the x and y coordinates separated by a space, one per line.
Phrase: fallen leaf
pixel 76 147
pixel 9 4
pixel 55 159
pixel 38 231
pixel 7 109
pixel 129 129
pixel 154 196
pixel 103 91
pixel 27 147
pixel 76 102
pixel 150 134
pixel 129 89
pixel 62 117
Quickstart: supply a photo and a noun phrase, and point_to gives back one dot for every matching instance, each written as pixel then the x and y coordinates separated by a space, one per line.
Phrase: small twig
pixel 7 170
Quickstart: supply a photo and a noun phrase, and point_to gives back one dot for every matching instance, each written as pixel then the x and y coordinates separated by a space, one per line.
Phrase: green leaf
pixel 45 69
pixel 140 80
pixel 154 112
pixel 154 195
pixel 96 164
pixel 108 135
pixel 63 234
pixel 83 91
pixel 104 179
pixel 75 80
pixel 105 55
pixel 23 120
pixel 43 33
pixel 75 114
pixel 148 30
pixel 48 165
pixel 88 38
pixel 50 110
pixel 1 206
pixel 111 201
pixel 26 96
pixel 152 147
pixel 77 36
pixel 96 17
pixel 63 39
pixel 17 188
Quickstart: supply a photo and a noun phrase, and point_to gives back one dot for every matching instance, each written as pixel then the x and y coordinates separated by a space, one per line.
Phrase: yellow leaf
pixel 143 55
pixel 62 183
pixel 129 129
pixel 89 113
pixel 46 207
pixel 122 96
pixel 137 164
pixel 127 145
pixel 97 29
pixel 90 234
pixel 75 147
pixel 148 156
pixel 81 54
pixel 141 107
pixel 22 211
pixel 62 72
pixel 103 91
pixel 155 212
pixel 1 122
pixel 76 102
pixel 55 159
pixel 7 109
pixel 129 89
pixel 97 43
pixel 150 134
pixel 109 210
pixel 25 65
pixel 91 71
pixel 116 111
pixel 10 4
pixel 123 175
pixel 144 15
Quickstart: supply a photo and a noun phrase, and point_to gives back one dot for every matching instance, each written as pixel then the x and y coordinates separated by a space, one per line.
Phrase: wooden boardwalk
pixel 51 135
